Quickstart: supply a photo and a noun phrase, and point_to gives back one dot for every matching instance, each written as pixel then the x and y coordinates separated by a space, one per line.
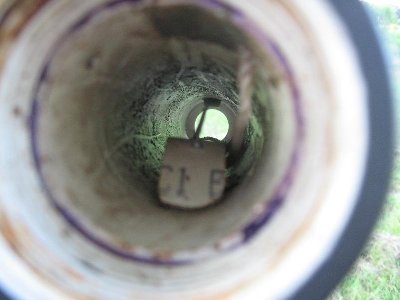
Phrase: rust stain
pixel 8 232
pixel 300 231
pixel 90 168
pixel 125 246
pixel 24 232
pixel 275 81
pixel 12 21
pixel 91 61
pixel 45 159
pixel 105 192
pixel 163 256
pixel 6 8
pixel 77 276
pixel 230 294
pixel 14 239
pixel 17 112
pixel 71 194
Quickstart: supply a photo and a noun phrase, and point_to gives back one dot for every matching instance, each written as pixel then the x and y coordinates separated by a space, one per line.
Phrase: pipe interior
pixel 117 88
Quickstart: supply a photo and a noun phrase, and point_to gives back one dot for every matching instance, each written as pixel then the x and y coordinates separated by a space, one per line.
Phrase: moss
pixel 156 107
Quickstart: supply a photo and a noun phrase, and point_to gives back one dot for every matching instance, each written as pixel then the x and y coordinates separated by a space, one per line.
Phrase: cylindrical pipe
pixel 92 90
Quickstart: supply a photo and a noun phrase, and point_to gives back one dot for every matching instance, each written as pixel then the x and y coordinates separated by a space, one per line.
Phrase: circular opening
pixel 216 124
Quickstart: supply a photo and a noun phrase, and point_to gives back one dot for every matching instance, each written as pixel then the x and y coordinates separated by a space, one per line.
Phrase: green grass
pixel 376 275
pixel 215 125
pixel 388 20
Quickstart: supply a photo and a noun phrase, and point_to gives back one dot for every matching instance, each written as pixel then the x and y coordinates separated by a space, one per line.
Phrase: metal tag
pixel 192 176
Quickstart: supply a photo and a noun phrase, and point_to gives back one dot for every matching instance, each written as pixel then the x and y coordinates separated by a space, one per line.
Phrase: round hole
pixel 216 124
